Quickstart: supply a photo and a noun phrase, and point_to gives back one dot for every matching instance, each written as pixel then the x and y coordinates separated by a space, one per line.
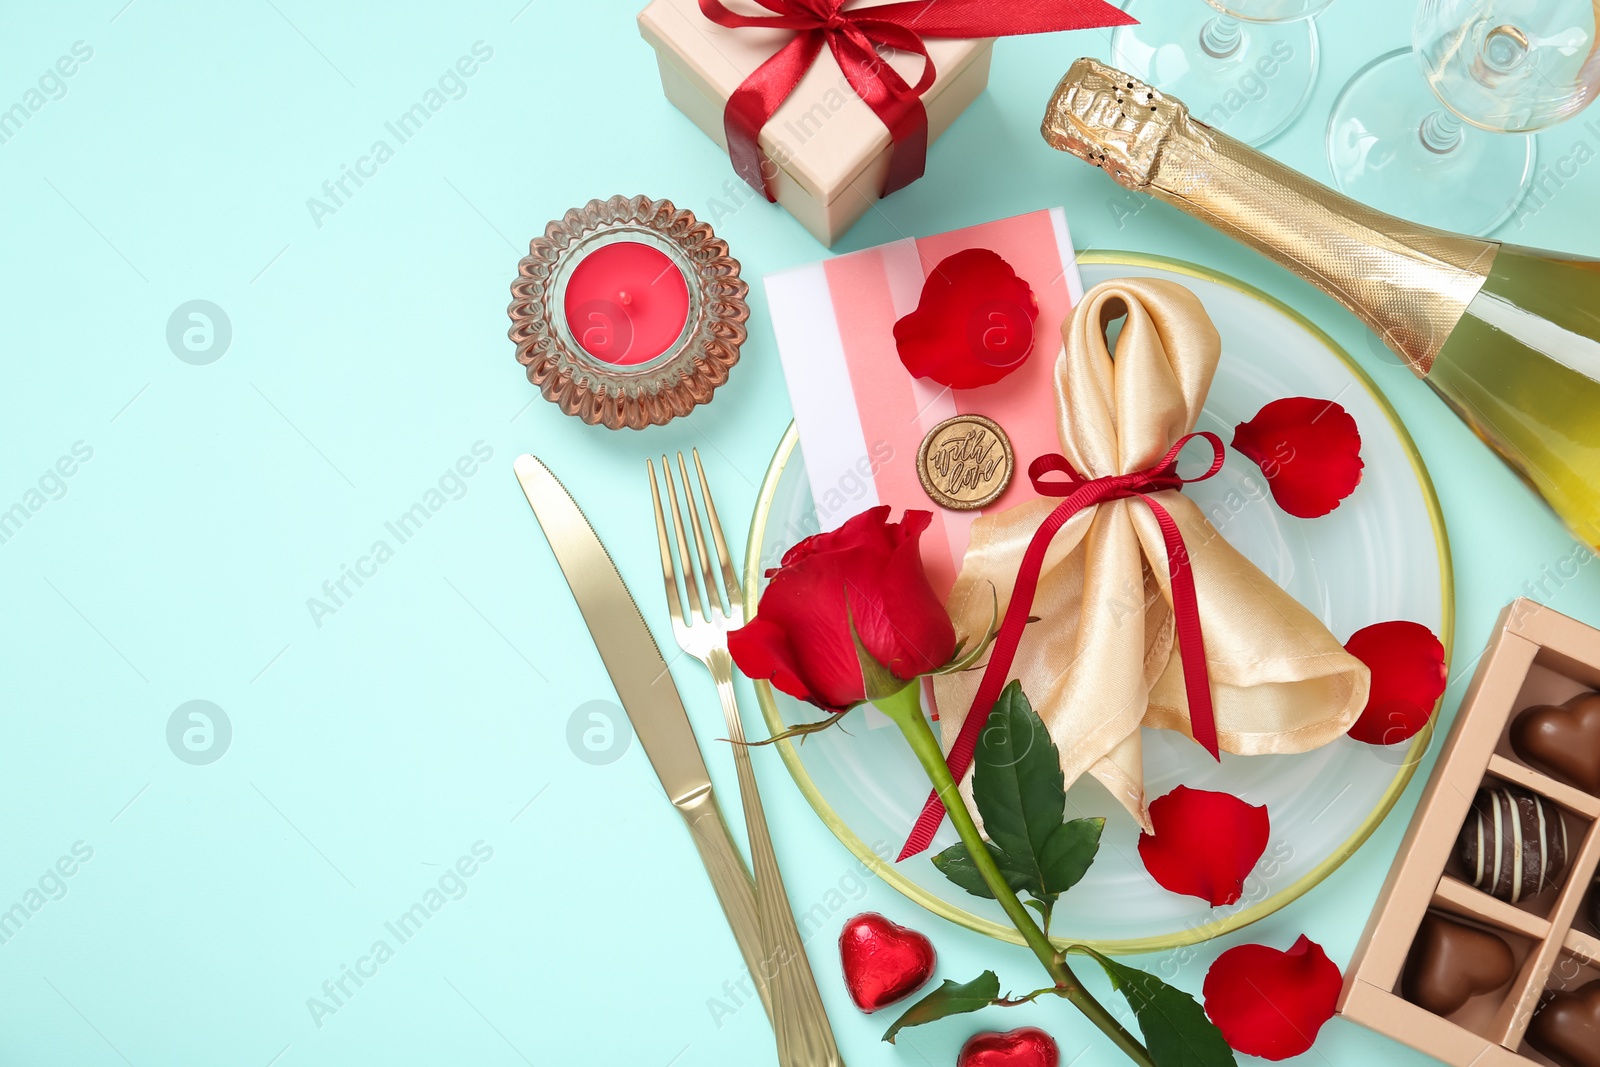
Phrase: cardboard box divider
pixel 1537 656
pixel 1582 944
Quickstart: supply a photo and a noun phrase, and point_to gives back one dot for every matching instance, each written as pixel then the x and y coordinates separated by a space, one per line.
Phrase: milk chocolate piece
pixel 1562 740
pixel 1514 844
pixel 1450 963
pixel 1567 1027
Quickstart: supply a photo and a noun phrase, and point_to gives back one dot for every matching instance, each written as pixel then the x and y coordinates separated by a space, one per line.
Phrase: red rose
pixel 973 325
pixel 800 637
pixel 1269 1003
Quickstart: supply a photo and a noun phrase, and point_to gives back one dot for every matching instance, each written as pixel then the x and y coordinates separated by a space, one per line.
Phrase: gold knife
pixel 650 698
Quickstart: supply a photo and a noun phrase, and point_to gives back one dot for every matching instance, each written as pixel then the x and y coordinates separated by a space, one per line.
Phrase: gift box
pixel 1536 658
pixel 829 152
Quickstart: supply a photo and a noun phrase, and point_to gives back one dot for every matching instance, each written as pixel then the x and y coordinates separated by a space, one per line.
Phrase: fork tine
pixel 689 583
pixel 730 581
pixel 708 576
pixel 674 601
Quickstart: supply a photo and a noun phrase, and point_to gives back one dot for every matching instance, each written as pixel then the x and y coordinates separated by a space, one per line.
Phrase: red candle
pixel 627 303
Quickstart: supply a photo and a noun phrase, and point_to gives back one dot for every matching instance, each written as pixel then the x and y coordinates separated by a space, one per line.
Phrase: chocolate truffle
pixel 1514 844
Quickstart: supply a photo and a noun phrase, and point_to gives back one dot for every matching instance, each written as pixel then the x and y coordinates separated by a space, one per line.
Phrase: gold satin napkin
pixel 1102 661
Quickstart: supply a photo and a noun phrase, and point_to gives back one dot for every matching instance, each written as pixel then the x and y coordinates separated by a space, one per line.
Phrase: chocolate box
pixel 830 150
pixel 1536 657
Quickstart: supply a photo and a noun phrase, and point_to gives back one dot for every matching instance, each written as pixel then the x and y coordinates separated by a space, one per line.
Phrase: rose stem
pixel 905 708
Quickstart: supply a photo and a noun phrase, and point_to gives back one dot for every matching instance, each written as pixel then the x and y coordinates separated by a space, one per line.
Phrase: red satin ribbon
pixel 854 38
pixel 1081 493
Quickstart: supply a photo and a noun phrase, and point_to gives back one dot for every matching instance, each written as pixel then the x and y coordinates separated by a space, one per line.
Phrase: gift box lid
pixel 824 135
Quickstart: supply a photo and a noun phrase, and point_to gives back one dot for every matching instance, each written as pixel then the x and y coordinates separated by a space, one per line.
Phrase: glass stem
pixel 1440 131
pixel 905 708
pixel 1221 36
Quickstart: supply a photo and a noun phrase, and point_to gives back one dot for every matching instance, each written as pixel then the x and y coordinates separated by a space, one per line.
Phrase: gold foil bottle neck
pixel 1410 284
pixel 1112 120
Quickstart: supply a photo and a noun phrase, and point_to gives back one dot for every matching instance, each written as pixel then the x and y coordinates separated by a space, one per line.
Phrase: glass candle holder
pixel 628 312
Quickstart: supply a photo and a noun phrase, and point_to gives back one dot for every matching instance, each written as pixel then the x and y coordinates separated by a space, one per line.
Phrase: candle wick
pixel 625 298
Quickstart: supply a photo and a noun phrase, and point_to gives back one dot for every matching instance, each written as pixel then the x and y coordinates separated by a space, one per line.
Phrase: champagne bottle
pixel 1508 336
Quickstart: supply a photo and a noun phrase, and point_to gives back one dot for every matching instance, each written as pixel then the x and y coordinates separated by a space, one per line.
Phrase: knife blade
pixel 649 696
pixel 627 647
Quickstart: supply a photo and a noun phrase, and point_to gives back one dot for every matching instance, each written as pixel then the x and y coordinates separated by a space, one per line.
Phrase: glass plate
pixel 1382 555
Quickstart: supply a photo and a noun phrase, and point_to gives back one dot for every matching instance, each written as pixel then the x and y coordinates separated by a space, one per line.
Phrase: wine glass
pixel 1441 133
pixel 1243 66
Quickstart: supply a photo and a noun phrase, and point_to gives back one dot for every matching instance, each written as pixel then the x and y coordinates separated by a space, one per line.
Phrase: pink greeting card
pixel 861 415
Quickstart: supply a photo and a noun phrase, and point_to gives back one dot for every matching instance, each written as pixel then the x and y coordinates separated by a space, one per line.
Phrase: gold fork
pixel 804 1036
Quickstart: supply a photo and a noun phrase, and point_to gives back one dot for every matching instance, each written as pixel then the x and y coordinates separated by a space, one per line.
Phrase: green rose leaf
pixel 951 998
pixel 1020 793
pixel 1175 1027
pixel 1068 852
pixel 1017 781
pixel 957 865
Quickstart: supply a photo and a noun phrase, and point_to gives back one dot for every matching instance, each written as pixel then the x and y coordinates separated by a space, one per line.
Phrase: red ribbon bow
pixel 854 38
pixel 1081 493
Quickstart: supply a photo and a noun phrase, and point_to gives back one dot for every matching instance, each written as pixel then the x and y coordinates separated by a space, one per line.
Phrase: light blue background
pixel 430 711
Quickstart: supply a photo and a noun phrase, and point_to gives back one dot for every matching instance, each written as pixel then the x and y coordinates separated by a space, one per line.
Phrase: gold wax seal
pixel 965 462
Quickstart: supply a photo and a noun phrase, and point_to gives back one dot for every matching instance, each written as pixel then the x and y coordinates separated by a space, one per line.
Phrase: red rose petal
pixel 761 649
pixel 1205 844
pixel 1309 450
pixel 973 324
pixel 1269 1003
pixel 1408 678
